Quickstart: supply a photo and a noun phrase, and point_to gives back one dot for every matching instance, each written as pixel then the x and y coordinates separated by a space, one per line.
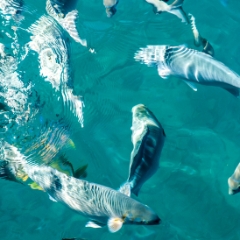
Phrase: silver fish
pixel 55 8
pixel 103 205
pixel 148 138
pixel 49 42
pixel 110 6
pixel 174 8
pixel 191 65
pixel 234 181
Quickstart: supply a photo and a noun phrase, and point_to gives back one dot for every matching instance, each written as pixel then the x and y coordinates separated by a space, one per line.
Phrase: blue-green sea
pixel 189 192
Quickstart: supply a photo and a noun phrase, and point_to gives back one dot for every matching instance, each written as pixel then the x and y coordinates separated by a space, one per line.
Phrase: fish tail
pixel 5 171
pixel 198 39
pixel 69 24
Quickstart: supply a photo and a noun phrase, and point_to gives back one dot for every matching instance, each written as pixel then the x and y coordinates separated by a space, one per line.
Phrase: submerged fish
pixel 234 181
pixel 110 6
pixel 101 204
pixel 148 138
pixel 174 8
pixel 11 7
pixel 49 42
pixel 191 65
pixel 57 10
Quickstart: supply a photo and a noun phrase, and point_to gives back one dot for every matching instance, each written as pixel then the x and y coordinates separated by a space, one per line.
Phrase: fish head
pixel 233 186
pixel 141 214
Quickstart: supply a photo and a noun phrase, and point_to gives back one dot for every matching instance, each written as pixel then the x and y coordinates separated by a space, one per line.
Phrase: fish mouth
pixel 139 108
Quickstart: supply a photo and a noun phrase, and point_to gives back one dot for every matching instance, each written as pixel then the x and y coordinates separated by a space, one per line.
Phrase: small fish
pixel 103 205
pixel 190 65
pixel 148 138
pixel 174 8
pixel 234 181
pixel 110 6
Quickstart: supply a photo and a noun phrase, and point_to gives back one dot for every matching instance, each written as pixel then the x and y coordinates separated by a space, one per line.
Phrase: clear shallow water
pixel 189 191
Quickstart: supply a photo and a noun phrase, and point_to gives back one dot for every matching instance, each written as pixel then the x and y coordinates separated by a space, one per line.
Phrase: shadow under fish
pixel 148 138
pixel 190 65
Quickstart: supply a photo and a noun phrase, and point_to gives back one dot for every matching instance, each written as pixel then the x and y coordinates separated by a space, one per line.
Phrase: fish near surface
pixel 234 181
pixel 110 6
pixel 190 65
pixel 49 41
pixel 148 138
pixel 101 204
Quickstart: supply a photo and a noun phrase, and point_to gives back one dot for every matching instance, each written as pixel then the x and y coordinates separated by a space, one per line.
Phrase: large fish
pixel 57 10
pixel 103 205
pixel 148 138
pixel 174 8
pixel 50 43
pixel 234 181
pixel 191 65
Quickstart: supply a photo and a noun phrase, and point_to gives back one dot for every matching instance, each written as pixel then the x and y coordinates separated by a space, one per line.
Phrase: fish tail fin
pixel 136 191
pixel 5 172
pixel 176 9
pixel 125 189
pixel 69 24
pixel 81 172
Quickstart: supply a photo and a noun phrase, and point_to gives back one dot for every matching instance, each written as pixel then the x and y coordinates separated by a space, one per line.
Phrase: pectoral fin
pixel 92 224
pixel 81 172
pixel 126 189
pixel 191 85
pixel 51 198
pixel 35 186
pixel 115 224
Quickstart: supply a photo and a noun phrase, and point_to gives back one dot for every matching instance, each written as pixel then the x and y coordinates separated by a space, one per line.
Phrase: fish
pixel 57 10
pixel 49 41
pixel 234 182
pixel 110 6
pixel 190 65
pixel 103 205
pixel 174 8
pixel 148 139
pixel 11 8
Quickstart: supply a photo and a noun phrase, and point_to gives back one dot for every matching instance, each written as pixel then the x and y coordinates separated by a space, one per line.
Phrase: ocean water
pixel 189 191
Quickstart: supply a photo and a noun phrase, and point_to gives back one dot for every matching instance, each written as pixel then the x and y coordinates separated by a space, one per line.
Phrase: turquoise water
pixel 189 191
